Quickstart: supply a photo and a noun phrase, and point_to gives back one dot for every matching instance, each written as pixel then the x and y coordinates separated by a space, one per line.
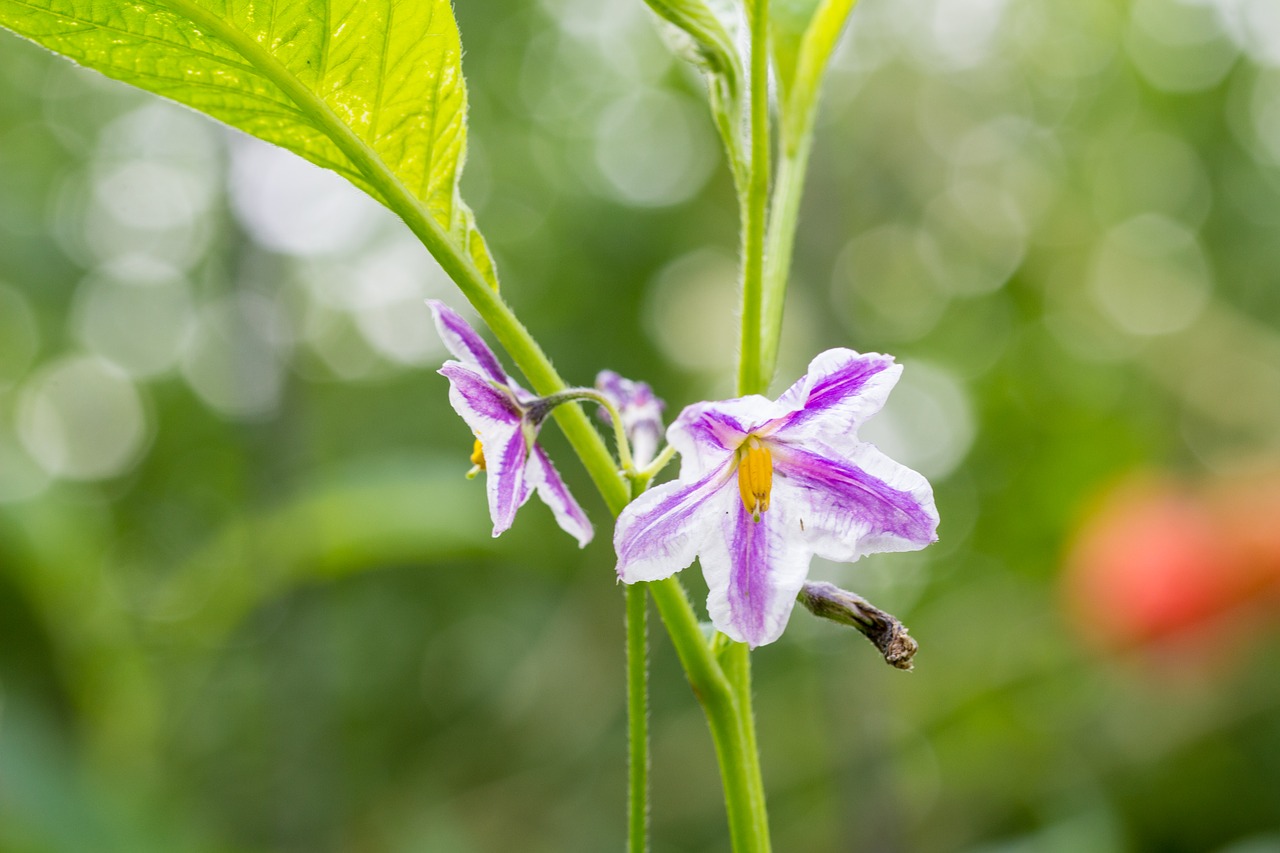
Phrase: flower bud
pixel 884 631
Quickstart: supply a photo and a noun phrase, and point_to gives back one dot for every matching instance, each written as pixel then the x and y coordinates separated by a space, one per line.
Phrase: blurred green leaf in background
pixel 248 601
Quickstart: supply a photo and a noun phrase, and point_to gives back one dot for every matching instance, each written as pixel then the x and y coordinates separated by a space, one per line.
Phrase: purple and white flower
pixel 640 410
pixel 505 419
pixel 765 485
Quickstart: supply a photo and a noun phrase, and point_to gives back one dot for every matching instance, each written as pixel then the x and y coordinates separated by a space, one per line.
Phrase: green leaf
pixel 697 31
pixel 804 33
pixel 789 19
pixel 371 89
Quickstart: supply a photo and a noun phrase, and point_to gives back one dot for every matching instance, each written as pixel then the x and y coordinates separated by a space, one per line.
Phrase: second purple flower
pixel 505 419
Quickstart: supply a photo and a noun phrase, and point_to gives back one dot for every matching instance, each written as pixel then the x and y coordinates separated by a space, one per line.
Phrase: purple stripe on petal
pixel 838 378
pixel 749 589
pixel 464 343
pixel 546 479
pixel 474 393
pixel 705 435
pixel 754 571
pixel 505 479
pixel 833 388
pixel 864 510
pixel 659 533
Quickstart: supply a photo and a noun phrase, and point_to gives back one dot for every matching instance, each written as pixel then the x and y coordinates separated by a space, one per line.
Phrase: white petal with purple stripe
pixel 541 475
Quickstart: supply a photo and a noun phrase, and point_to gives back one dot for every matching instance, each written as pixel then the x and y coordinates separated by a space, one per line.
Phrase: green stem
pixel 735 739
pixel 736 661
pixel 751 378
pixel 719 704
pixel 783 218
pixel 705 676
pixel 654 468
pixel 637 719
pixel 550 403
pixel 798 108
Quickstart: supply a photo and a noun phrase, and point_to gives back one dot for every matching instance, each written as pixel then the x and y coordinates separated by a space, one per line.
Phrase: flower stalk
pixel 753 377
pixel 743 765
pixel 637 719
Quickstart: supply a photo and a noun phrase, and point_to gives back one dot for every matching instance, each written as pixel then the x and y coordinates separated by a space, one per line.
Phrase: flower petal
pixel 476 400
pixel 660 532
pixel 540 474
pixel 705 434
pixel 496 421
pixel 754 570
pixel 854 504
pixel 465 344
pixel 840 392
pixel 505 459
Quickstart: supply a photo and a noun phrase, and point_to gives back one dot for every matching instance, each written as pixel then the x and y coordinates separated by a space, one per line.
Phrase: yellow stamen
pixel 477 460
pixel 755 476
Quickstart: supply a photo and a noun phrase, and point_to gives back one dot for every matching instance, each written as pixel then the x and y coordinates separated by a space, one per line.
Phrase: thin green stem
pixel 654 468
pixel 751 379
pixel 637 719
pixel 798 108
pixel 783 218
pixel 571 395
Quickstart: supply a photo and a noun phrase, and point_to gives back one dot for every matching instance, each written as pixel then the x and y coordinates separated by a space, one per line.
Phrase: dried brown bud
pixel 884 630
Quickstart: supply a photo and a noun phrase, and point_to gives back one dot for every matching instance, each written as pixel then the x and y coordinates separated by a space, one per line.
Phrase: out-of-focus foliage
pixel 375 94
pixel 248 602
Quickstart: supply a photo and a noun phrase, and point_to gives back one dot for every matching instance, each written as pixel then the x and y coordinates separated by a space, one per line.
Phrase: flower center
pixel 477 460
pixel 755 476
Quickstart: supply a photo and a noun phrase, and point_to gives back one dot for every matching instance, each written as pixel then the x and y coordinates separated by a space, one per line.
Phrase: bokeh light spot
pixel 82 419
pixel 19 336
pixel 654 149
pixel 976 236
pixel 232 360
pixel 1179 46
pixel 1150 276
pixel 693 311
pixel 136 314
pixel 884 282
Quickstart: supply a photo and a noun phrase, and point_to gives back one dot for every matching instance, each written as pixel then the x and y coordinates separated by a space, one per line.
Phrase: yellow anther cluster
pixel 477 455
pixel 755 476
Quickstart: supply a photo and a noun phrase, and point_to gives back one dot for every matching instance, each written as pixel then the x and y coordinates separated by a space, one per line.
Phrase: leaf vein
pixel 382 74
pixel 166 45
pixel 325 26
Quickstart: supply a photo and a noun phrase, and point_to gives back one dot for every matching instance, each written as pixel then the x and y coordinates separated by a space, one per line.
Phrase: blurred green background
pixel 248 601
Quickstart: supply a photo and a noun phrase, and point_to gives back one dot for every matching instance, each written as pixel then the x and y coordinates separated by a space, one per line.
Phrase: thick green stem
pixel 637 719
pixel 736 662
pixel 750 369
pixel 723 713
pixel 735 738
